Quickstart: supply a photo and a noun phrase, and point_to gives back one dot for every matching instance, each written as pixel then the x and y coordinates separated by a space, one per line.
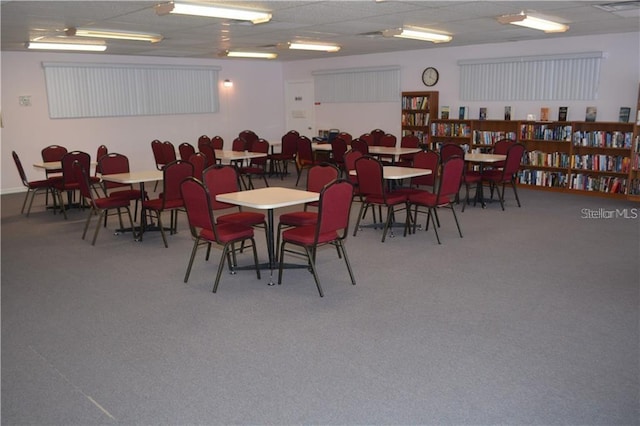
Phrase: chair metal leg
pixel 362 207
pixel 193 255
pixel 435 228
pixel 225 253
pixel 312 264
pixel 95 233
pixel 255 257
pixel 164 237
pixel 346 260
pixel 86 224
pixel 456 218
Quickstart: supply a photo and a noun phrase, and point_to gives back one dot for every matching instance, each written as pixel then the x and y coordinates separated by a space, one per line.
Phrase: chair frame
pixel 33 187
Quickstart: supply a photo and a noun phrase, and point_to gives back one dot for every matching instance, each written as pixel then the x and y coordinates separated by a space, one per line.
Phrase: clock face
pixel 430 76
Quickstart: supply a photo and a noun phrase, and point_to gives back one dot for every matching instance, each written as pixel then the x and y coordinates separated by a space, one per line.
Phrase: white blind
pixel 564 77
pixel 379 84
pixel 77 90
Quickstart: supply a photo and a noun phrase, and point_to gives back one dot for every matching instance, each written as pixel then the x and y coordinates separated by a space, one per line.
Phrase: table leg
pixel 270 243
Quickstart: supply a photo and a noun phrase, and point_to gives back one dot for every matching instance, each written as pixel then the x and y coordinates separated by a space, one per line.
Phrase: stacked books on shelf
pixel 586 182
pixel 547 159
pixel 415 102
pixel 450 129
pixel 546 132
pixel 415 119
pixel 489 137
pixel 542 178
pixel 601 163
pixel 603 139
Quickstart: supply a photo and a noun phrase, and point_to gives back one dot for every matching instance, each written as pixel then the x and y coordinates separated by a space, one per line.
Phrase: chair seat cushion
pixel 494 175
pixel 393 198
pixel 228 232
pixel 111 202
pixel 156 204
pixel 35 184
pixel 244 218
pixel 305 235
pixel 252 170
pixel 130 194
pixel 428 199
pixel 471 176
pixel 300 218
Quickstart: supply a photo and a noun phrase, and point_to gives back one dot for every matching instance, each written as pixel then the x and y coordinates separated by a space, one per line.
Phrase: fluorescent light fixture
pixel 257 17
pixel 255 55
pixel 418 34
pixel 314 46
pixel 524 20
pixel 118 35
pixel 67 46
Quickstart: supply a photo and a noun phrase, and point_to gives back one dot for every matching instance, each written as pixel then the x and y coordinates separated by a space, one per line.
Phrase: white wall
pixel 251 103
pixel 256 101
pixel 620 76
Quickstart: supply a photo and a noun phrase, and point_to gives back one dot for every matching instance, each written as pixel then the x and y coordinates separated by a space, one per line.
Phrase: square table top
pixel 397 172
pixel 134 177
pixel 478 157
pixel 269 198
pixel 224 154
pixel 49 165
pixel 392 150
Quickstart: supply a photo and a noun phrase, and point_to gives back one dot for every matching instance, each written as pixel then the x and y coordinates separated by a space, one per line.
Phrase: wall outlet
pixel 24 101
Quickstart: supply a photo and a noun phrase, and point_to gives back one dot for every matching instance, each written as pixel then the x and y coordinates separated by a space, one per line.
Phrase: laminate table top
pixel 397 172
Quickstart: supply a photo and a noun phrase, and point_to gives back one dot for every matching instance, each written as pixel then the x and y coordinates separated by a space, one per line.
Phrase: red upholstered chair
pixel 186 150
pixel 367 138
pixel 199 162
pixel 158 154
pixel 448 187
pixel 469 177
pixel 424 160
pixel 350 158
pixel 287 153
pixel 331 227
pixel 170 199
pixel 257 166
pixel 250 137
pixel 50 154
pixel 99 206
pixel 408 141
pixel 210 154
pixel 169 152
pixel 501 147
pixel 101 152
pixel 223 179
pixel 338 147
pixel 205 230
pixel 33 187
pixel 360 144
pixel 217 142
pixel 117 163
pixel 387 140
pixel 346 137
pixel 377 135
pixel 374 192
pixel 203 140
pixel 69 181
pixel 318 176
pixel 304 156
pixel 506 175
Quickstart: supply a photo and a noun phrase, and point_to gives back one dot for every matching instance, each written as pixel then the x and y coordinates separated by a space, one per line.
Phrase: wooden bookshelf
pixel 591 158
pixel 418 110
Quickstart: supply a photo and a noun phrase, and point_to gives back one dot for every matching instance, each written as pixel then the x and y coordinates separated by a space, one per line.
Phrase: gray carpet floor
pixel 531 318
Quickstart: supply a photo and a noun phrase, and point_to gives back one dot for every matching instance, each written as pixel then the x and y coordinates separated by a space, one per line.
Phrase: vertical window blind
pixel 379 84
pixel 573 76
pixel 76 90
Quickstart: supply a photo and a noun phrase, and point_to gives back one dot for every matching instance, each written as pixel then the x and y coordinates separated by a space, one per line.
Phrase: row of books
pixel 634 187
pixel 422 137
pixel 489 138
pixel 415 119
pixel 563 111
pixel 601 163
pixel 415 102
pixel 603 139
pixel 547 159
pixel 587 182
pixel 542 178
pixel 450 129
pixel 546 132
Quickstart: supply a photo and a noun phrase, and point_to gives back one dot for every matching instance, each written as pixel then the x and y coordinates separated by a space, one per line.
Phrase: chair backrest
pixel 168 152
pixel 238 144
pixel 370 176
pixel 367 138
pixel 502 146
pixel 514 158
pixel 426 160
pixel 158 154
pixel 113 163
pixel 449 150
pixel 102 151
pixel 221 179
pixel 23 175
pixel 334 208
pixel 304 150
pixel 174 173
pixel 197 203
pixel 377 135
pixel 410 141
pixel 217 142
pixel 290 143
pixel 361 145
pixel 209 153
pixel 388 140
pixel 186 150
pixel 261 146
pixel 346 136
pixel 338 148
pixel 53 153
pixel 199 162
pixel 249 136
pixel 68 172
pixel 451 177
pixel 320 175
pixel 350 158
pixel 203 140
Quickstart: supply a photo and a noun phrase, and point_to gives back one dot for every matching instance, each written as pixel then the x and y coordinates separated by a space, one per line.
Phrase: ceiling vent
pixel 625 9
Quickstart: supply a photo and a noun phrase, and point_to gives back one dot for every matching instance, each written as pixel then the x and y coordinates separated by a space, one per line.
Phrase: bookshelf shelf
pixel 591 158
pixel 418 110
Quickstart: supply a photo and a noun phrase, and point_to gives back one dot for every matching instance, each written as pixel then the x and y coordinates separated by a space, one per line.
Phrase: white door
pixel 299 101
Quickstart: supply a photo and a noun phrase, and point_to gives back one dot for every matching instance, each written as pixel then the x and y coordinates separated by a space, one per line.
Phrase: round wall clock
pixel 430 76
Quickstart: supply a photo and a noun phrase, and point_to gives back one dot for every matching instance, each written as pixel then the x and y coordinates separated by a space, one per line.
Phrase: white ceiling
pixel 355 25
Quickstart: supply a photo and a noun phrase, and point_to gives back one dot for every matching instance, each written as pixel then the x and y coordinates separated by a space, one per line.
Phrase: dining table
pixel 269 199
pixel 481 160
